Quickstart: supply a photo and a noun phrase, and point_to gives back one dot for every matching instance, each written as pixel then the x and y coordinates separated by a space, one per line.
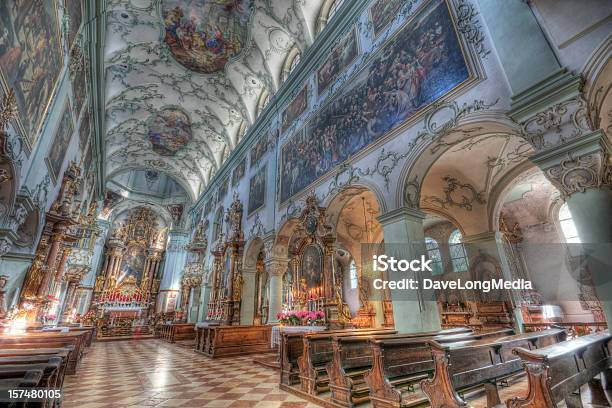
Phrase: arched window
pixel 353 275
pixel 291 61
pixel 457 252
pixel 264 98
pixel 329 9
pixel 567 225
pixel 433 253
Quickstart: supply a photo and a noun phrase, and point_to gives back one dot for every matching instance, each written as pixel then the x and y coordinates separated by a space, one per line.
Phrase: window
pixel 567 225
pixel 334 8
pixel 433 253
pixel 294 63
pixel 354 275
pixel 457 252
pixel 291 61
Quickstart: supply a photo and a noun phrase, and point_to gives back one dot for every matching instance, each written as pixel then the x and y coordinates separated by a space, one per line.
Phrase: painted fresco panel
pixel 61 141
pixel 169 131
pixel 203 35
pixel 84 129
pixel 340 57
pixel 79 90
pixel 295 109
pixel 420 65
pixel 223 189
pixel 383 12
pixel 259 150
pixel 75 14
pixel 30 58
pixel 257 190
pixel 132 263
pixel 312 266
pixel 238 172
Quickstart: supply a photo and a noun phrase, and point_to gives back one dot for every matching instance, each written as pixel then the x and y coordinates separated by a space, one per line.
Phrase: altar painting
pixel 312 266
pixel 340 57
pixel 295 109
pixel 420 65
pixel 204 34
pixel 31 58
pixel 169 131
pixel 61 141
pixel 132 263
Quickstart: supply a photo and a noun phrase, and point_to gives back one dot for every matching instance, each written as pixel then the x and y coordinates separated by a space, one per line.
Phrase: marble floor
pixel 153 373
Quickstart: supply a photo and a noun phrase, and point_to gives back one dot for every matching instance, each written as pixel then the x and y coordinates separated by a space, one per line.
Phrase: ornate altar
pixel 126 288
pixel 313 283
pixel 226 295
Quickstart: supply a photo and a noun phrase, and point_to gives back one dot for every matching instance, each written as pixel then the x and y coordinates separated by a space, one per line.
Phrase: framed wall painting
pixel 340 57
pixel 257 190
pixel 31 60
pixel 61 140
pixel 383 12
pixel 295 108
pixel 238 172
pixel 426 61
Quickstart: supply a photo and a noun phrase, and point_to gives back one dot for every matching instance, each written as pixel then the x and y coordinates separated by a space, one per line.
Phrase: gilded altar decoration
pixel 203 35
pixel 8 109
pixel 226 296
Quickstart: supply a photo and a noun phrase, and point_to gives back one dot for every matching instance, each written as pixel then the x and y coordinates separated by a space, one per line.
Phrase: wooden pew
pixel 36 358
pixel 29 379
pixel 49 378
pixel 317 353
pixel 202 334
pixel 291 348
pixel 173 332
pixel 464 366
pixel 48 340
pixel 557 371
pixel 352 359
pixel 399 363
pixel 237 340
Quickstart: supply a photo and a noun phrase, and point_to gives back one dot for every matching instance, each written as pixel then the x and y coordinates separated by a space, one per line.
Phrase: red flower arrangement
pixel 301 317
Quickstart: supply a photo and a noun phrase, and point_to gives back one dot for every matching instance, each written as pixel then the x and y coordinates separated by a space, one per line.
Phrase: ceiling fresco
pixel 169 131
pixel 213 58
pixel 204 34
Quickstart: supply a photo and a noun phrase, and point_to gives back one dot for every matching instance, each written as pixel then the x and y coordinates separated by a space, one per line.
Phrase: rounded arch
pixel 326 12
pixel 445 131
pixel 291 61
pixel 179 180
pixel 280 248
pixel 597 72
pixel 251 252
pixel 127 205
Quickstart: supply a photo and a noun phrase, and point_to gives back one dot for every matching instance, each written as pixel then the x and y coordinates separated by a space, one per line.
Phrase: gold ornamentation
pixel 8 109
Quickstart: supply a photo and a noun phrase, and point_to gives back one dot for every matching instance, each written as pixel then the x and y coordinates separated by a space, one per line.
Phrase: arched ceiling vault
pixel 206 73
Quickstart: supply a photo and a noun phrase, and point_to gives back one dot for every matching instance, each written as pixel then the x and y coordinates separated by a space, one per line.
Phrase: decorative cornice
pixel 399 214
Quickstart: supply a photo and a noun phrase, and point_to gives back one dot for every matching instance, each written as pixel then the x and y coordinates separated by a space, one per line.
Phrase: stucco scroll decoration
pixel 257 229
pixel 557 124
pixel 578 174
pixel 469 25
pixel 457 194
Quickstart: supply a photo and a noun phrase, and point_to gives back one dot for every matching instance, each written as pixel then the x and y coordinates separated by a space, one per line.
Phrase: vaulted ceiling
pixel 184 78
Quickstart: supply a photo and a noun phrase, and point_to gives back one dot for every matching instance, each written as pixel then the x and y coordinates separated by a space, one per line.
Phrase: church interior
pixel 197 198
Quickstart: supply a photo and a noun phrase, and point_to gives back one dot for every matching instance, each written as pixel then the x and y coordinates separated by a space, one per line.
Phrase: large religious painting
pixel 295 109
pixel 132 263
pixel 238 172
pixel 257 190
pixel 259 149
pixel 223 189
pixel 312 266
pixel 422 63
pixel 75 14
pixel 383 12
pixel 31 58
pixel 84 129
pixel 79 89
pixel 61 141
pixel 169 131
pixel 203 35
pixel 341 56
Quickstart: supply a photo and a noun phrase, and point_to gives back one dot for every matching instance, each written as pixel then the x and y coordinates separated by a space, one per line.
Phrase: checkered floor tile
pixel 152 373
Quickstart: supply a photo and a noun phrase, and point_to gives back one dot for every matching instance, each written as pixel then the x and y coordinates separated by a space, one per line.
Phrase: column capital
pixel 277 266
pixel 580 165
pixel 390 217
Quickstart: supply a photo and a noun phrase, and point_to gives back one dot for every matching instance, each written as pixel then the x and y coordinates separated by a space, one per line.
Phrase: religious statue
pixel 120 232
pixel 99 286
pixel 237 287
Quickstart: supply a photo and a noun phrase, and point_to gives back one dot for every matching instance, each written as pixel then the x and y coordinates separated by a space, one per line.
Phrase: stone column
pixel 480 247
pixel 247 307
pixel 413 310
pixel 582 171
pixel 204 298
pixel 57 238
pixel 276 268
